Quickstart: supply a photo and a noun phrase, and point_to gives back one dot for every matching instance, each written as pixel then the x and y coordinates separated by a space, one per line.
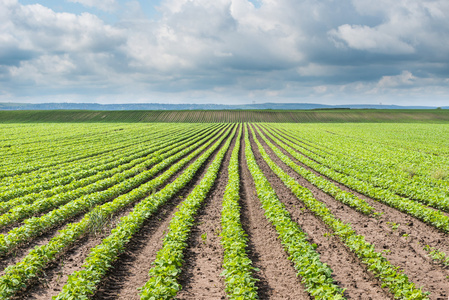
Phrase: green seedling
pixel 204 237
pixel 394 226
pixel 437 255
pixel 378 215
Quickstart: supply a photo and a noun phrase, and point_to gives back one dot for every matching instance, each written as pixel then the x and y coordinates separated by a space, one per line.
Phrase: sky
pixel 225 51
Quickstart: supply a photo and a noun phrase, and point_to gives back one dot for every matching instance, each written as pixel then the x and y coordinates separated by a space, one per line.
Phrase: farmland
pixel 197 210
pixel 230 116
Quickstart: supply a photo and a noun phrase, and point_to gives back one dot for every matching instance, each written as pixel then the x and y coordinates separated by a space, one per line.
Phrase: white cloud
pixel 371 39
pixel 406 78
pixel 212 35
pixel 106 5
pixel 405 27
pixel 320 89
pixel 41 29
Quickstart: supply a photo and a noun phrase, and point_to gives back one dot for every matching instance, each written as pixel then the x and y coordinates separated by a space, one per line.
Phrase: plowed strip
pixel 277 275
pixel 200 278
pixel 56 274
pixel 297 142
pixel 19 253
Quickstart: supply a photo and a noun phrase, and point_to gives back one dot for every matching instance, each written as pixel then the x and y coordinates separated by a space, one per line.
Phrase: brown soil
pixel 19 253
pixel 56 274
pixel 130 271
pixel 400 251
pixel 419 233
pixel 348 271
pixel 200 278
pixel 297 141
pixel 277 276
pixel 6 229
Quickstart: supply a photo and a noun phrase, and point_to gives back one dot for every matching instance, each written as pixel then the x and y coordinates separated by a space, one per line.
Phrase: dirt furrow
pixel 130 271
pixel 200 278
pixel 56 275
pixel 277 276
pixel 297 141
pixel 8 228
pixel 348 270
pixel 19 253
pixel 411 230
pixel 393 241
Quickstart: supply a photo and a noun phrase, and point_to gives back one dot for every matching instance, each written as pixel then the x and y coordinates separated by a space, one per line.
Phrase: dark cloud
pixel 12 56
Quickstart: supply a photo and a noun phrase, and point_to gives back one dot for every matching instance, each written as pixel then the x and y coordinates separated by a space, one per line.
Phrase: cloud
pixel 406 78
pixel 106 5
pixel 196 34
pixel 44 30
pixel 370 39
pixel 407 27
pixel 206 51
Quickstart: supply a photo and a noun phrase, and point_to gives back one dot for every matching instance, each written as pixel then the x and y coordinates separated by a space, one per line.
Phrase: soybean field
pixel 224 210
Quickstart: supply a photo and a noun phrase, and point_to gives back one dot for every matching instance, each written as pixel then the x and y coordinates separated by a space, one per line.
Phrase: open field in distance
pixel 229 116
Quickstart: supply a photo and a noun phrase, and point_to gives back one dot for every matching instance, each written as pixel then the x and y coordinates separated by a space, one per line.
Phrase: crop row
pixel 238 269
pixel 384 177
pixel 105 165
pixel 165 160
pixel 395 161
pixel 316 276
pixel 60 174
pixel 35 226
pixel 163 282
pixel 323 184
pixel 47 148
pixel 390 276
pixel 82 151
pixel 427 215
pixel 45 173
pixel 113 177
pixel 70 182
pixel 83 283
pixel 18 276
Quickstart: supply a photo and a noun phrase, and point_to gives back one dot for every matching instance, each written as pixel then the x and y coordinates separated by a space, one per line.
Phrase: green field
pixel 229 116
pixel 237 210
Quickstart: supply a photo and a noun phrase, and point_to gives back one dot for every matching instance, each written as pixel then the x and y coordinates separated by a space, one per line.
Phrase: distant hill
pixel 160 106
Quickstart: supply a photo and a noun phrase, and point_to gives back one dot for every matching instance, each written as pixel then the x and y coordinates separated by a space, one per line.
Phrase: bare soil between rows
pixel 130 271
pixel 401 246
pixel 348 271
pixel 55 275
pixel 276 275
pixel 200 277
